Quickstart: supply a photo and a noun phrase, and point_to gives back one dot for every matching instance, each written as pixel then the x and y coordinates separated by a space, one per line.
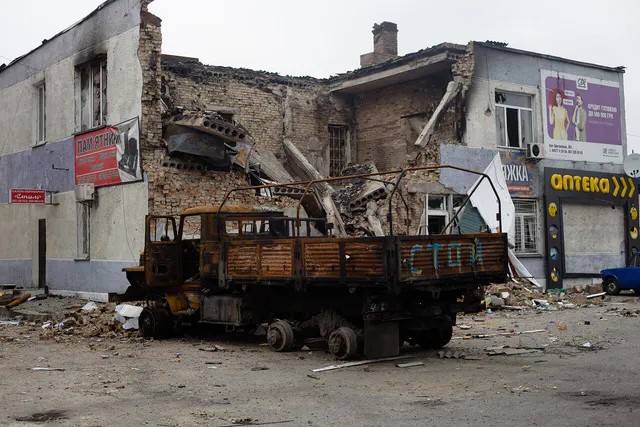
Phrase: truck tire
pixel 280 335
pixel 611 286
pixel 343 343
pixel 436 337
pixel 154 322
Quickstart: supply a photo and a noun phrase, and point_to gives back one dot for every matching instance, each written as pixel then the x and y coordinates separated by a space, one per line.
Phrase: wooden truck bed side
pixel 365 261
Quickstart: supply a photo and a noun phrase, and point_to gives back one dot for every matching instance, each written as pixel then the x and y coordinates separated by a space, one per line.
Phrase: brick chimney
pixel 385 44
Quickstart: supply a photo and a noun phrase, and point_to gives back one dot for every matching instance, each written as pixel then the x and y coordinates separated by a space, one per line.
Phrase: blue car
pixel 616 279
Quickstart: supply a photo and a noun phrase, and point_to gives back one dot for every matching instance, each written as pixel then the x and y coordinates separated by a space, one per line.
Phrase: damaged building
pixel 103 128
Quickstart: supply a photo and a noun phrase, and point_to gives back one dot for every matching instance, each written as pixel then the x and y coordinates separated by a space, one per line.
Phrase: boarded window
pixel 526 234
pixel 338 135
pixel 93 94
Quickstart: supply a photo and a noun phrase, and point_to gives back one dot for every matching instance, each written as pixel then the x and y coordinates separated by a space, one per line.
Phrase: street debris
pixel 510 351
pixel 451 354
pixel 47 369
pixel 18 300
pixel 599 294
pixel 409 365
pixel 498 334
pixel 360 362
pixel 10 322
pixel 128 315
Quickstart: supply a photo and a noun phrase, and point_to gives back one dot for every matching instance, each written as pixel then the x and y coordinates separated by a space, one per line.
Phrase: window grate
pixel 526 232
pixel 337 149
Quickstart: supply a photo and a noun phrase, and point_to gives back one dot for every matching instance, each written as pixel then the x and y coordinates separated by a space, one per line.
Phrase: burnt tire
pixel 280 336
pixel 611 286
pixel 154 322
pixel 436 337
pixel 343 343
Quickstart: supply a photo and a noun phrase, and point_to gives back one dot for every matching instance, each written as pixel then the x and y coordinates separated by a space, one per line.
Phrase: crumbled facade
pixel 426 107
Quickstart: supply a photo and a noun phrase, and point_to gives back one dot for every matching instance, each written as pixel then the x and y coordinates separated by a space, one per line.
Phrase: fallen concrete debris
pixel 306 170
pixel 360 362
pixel 10 322
pixel 128 315
pixel 208 137
pixel 451 354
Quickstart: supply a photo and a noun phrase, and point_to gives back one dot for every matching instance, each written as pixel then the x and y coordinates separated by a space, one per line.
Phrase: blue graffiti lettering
pixel 476 252
pixel 436 247
pixel 458 261
pixel 414 249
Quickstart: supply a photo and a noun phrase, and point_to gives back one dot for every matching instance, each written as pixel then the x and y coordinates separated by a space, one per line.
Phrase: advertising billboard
pixel 109 155
pixel 582 118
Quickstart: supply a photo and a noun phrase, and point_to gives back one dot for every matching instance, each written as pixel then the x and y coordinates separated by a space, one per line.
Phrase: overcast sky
pixel 322 38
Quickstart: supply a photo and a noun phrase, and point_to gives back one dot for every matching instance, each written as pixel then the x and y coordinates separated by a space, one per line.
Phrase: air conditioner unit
pixel 535 150
pixel 85 192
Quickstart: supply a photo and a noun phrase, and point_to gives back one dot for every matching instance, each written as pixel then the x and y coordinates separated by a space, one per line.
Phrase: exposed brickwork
pixel 384 123
pixel 390 119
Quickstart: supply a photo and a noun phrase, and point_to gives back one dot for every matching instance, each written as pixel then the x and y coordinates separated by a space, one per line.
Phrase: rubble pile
pixel 92 320
pixel 517 296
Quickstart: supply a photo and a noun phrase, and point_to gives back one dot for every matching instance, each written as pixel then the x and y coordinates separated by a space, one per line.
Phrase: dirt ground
pixel 582 370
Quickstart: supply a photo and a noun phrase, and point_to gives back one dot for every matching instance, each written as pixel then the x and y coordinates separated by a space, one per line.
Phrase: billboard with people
pixel 582 118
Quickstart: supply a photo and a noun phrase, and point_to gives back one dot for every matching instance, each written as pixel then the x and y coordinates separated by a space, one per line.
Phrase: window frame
pixel 336 134
pixel 520 231
pixel 101 61
pixel 519 109
pixel 40 125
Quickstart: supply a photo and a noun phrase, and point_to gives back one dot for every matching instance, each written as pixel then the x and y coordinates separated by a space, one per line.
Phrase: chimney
pixel 385 45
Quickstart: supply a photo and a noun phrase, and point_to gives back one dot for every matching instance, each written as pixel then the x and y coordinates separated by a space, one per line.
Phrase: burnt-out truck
pixel 242 266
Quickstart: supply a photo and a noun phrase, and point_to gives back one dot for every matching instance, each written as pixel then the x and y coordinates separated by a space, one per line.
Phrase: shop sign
pixel 109 155
pixel 18 195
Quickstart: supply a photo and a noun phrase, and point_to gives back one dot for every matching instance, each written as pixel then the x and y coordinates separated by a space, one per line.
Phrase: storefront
pixel 591 223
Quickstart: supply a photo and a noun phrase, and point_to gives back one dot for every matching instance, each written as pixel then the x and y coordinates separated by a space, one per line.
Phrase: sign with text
pixel 582 118
pixel 109 155
pixel 517 172
pixel 18 195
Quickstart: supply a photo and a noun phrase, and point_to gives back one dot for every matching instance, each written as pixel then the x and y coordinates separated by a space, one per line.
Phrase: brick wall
pixel 388 121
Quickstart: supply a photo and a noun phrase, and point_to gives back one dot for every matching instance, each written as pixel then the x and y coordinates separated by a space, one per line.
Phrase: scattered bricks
pixel 594 289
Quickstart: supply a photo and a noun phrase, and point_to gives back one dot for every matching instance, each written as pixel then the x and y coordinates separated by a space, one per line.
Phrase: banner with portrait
pixel 582 118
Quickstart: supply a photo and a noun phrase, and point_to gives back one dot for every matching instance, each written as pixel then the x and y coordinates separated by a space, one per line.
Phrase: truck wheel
pixel 343 343
pixel 611 287
pixel 637 292
pixel 436 337
pixel 154 322
pixel 442 334
pixel 280 335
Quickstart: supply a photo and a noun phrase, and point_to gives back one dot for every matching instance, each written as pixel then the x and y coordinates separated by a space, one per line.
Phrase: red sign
pixel 27 196
pixel 96 157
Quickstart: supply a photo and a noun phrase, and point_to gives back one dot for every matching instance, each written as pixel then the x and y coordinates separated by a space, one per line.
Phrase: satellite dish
pixel 631 165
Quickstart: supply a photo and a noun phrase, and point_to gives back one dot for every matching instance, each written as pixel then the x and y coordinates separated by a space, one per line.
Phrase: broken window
pixel 82 231
pixel 526 226
pixel 41 118
pixel 338 135
pixel 514 123
pixel 93 94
